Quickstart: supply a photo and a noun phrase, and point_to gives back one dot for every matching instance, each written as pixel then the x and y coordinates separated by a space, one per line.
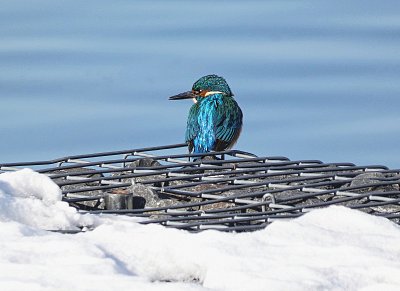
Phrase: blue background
pixel 315 79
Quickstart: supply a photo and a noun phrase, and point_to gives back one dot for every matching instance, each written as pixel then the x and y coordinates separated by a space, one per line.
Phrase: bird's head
pixel 205 86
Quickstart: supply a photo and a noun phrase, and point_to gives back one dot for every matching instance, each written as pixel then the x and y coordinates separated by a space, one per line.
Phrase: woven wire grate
pixel 228 191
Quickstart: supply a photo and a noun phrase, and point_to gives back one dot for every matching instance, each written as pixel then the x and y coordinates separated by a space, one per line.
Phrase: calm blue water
pixel 315 79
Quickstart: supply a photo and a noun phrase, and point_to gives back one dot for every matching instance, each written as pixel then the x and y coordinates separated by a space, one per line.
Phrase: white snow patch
pixel 35 200
pixel 329 249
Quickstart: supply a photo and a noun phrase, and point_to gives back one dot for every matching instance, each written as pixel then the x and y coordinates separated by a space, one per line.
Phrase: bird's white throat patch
pixel 213 92
pixel 208 94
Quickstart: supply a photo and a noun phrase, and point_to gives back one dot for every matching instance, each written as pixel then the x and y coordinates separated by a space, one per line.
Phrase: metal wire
pixel 227 191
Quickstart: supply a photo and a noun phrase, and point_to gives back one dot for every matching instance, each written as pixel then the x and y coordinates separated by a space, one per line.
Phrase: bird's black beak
pixel 184 95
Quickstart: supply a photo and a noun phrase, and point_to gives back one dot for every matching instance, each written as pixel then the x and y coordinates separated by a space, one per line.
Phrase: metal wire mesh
pixel 228 191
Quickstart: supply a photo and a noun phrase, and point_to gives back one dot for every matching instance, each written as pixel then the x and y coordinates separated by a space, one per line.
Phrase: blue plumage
pixel 215 120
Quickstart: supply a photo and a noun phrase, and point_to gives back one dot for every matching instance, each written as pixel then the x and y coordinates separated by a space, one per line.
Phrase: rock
pixel 371 179
pixel 90 204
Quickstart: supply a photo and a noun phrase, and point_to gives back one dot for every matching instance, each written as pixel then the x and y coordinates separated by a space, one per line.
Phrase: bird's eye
pixel 197 92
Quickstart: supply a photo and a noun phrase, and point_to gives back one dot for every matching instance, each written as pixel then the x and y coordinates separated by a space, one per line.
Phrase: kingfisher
pixel 215 119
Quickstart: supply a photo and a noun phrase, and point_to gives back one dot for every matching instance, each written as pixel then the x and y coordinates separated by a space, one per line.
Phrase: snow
pixel 335 248
pixel 33 199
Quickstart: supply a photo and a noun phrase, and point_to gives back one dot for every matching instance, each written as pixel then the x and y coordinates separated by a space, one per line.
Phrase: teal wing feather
pixel 229 125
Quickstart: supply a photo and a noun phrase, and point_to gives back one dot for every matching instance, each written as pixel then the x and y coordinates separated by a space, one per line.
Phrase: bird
pixel 215 119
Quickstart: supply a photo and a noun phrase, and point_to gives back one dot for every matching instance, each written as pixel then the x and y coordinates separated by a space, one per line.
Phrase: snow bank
pixel 329 249
pixel 35 200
